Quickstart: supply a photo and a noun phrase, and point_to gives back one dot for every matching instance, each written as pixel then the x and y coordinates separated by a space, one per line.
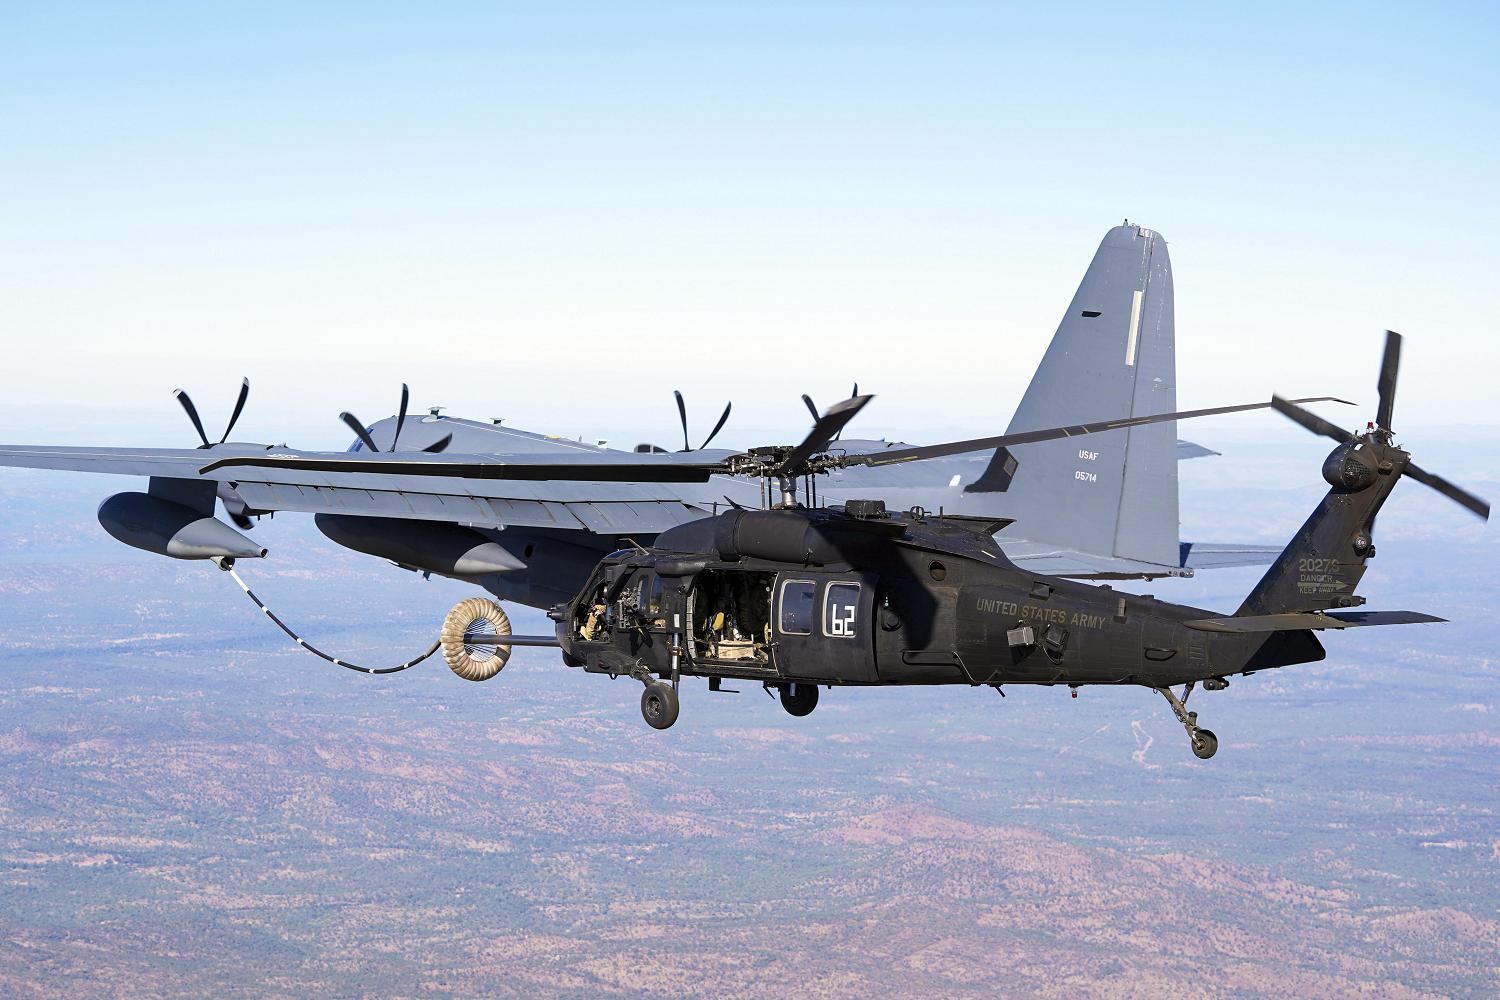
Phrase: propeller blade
pixel 854 392
pixel 192 412
pixel 241 521
pixel 401 415
pixel 1310 420
pixel 358 429
pixel 827 426
pixel 1053 433
pixel 682 415
pixel 239 407
pixel 1387 384
pixel 811 406
pixel 1459 496
pixel 723 419
pixel 441 444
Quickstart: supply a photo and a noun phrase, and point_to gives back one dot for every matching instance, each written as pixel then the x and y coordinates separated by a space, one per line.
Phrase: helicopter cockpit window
pixel 797 607
pixel 840 610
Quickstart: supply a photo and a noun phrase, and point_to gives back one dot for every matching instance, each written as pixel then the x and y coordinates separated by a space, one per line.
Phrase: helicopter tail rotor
pixel 1380 432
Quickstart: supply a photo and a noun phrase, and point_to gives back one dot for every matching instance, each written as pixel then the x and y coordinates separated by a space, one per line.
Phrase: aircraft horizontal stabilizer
pixel 1221 555
pixel 1300 620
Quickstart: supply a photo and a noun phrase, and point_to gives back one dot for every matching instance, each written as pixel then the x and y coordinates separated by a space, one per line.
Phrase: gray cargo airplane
pixel 433 493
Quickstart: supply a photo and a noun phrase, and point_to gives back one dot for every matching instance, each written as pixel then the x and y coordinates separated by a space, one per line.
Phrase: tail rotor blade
pixel 401 415
pixel 1389 365
pixel 723 419
pixel 1459 496
pixel 359 430
pixel 239 407
pixel 811 406
pixel 682 416
pixel 192 412
pixel 1310 420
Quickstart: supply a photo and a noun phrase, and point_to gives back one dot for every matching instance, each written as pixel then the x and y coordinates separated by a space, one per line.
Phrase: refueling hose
pixel 227 565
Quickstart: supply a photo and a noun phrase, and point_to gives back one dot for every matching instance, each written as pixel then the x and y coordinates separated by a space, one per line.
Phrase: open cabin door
pixel 823 627
pixel 730 611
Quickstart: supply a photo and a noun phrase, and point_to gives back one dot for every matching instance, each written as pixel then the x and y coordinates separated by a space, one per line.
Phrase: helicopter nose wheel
pixel 659 705
pixel 1204 743
pixel 799 699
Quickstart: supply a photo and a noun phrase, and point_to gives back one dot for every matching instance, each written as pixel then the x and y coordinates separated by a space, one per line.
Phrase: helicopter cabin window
pixel 840 610
pixel 732 615
pixel 797 607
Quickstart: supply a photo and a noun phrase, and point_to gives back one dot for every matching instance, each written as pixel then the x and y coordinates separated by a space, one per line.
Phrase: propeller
pixel 192 412
pixel 358 427
pixel 1390 364
pixel 682 416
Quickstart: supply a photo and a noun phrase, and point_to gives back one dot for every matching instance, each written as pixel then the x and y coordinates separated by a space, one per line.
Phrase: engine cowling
pixel 434 546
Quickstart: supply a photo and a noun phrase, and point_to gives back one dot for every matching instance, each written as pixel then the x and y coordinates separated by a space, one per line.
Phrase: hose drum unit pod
pixel 478 616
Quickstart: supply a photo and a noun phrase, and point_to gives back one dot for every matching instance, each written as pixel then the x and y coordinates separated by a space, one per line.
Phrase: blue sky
pixel 558 213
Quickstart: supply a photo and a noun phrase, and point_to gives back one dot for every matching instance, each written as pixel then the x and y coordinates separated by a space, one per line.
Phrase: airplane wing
pixel 366 483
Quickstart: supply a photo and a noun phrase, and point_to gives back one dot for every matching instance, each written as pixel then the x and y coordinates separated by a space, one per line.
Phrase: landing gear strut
pixel 1205 744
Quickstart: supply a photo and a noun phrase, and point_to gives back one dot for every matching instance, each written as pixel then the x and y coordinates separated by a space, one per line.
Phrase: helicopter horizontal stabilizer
pixel 1300 620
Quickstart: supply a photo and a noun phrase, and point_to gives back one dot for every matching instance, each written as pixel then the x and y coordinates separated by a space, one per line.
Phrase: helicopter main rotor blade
pixel 1289 409
pixel 920 453
pixel 239 407
pixel 723 419
pixel 359 430
pixel 824 431
pixel 1459 496
pixel 687 471
pixel 192 412
pixel 1386 386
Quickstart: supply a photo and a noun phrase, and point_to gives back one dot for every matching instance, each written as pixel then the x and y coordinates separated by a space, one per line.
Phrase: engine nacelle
pixel 434 546
pixel 172 529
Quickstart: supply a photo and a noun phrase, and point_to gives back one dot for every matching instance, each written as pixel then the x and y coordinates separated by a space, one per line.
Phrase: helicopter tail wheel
pixel 1204 743
pixel 478 616
pixel 659 705
pixel 799 699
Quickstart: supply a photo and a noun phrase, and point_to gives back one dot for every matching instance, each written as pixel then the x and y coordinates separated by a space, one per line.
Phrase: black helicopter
pixel 798 597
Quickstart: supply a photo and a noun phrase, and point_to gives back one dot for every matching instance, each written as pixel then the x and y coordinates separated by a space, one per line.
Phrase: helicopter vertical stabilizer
pixel 1114 355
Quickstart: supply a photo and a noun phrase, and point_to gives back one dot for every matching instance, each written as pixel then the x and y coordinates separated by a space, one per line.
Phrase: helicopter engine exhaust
pixel 172 529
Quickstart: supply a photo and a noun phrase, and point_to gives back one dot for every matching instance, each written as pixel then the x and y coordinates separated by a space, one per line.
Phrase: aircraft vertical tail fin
pixel 1114 355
